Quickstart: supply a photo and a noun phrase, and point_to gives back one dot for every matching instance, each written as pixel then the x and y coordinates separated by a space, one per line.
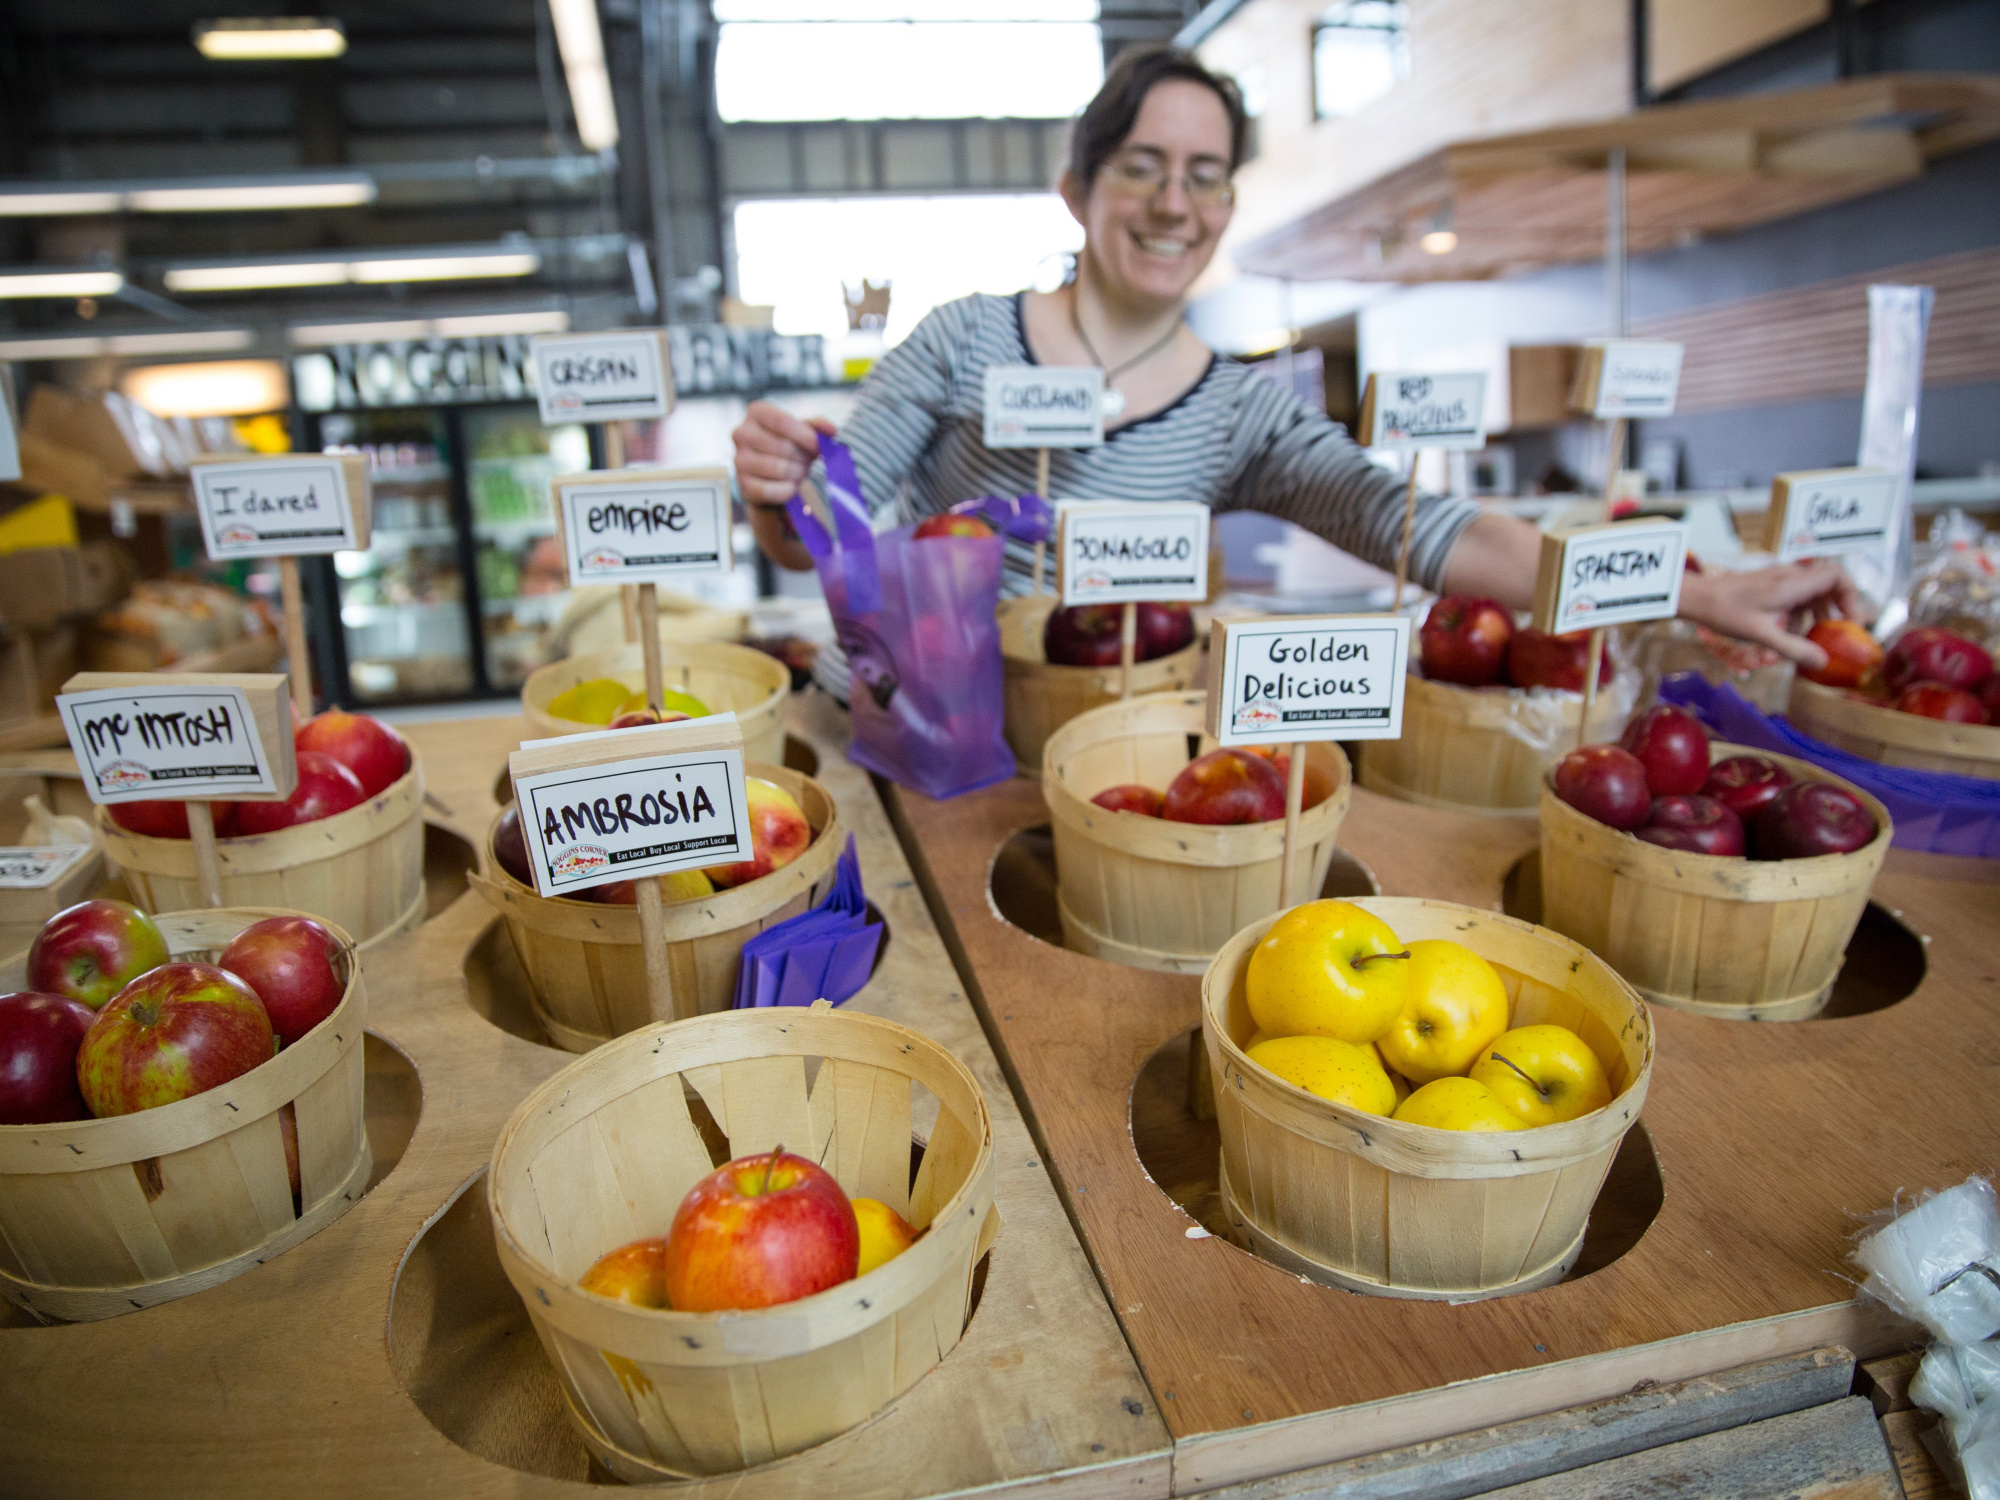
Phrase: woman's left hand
pixel 1758 606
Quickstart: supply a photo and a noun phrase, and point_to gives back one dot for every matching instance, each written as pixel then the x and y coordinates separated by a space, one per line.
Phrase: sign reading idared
pixel 1323 677
pixel 281 505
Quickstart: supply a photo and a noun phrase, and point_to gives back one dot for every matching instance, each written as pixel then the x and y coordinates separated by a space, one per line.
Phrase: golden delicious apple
pixel 1457 1104
pixel 1544 1074
pixel 1456 1005
pixel 1327 968
pixel 1332 1069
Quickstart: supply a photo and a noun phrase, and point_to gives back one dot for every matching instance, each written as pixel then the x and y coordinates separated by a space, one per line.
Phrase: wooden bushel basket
pixel 1159 895
pixel 1457 754
pixel 586 970
pixel 724 676
pixel 603 1153
pixel 100 1217
pixel 1750 940
pixel 1880 733
pixel 1376 1205
pixel 1042 697
pixel 362 869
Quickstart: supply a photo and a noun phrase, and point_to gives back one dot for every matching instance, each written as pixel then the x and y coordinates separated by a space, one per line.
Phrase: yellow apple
pixel 1255 1038
pixel 885 1234
pixel 1335 1070
pixel 1456 1005
pixel 1544 1074
pixel 1328 968
pixel 1457 1104
pixel 1396 1080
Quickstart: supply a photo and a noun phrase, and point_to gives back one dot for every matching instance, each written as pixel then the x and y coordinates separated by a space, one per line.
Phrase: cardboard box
pixel 124 441
pixel 1539 378
pixel 33 667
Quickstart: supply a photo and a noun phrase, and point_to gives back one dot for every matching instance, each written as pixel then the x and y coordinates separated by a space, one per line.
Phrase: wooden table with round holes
pixel 387 1356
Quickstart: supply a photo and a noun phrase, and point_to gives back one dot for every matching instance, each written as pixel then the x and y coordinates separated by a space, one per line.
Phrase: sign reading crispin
pixel 619 376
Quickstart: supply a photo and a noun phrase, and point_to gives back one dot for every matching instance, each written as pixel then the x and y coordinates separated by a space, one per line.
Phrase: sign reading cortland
pixel 1406 411
pixel 1044 406
pixel 622 375
pixel 1109 552
pixel 1323 677
pixel 644 525
pixel 193 737
pixel 281 505
pixel 632 804
pixel 1830 512
pixel 1615 574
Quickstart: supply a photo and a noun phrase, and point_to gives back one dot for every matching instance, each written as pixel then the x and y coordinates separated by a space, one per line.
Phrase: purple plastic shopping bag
pixel 916 620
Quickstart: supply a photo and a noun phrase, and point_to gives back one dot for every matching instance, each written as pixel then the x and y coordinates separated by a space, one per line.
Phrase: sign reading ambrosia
pixel 1829 512
pixel 1423 411
pixel 644 525
pixel 1616 574
pixel 631 804
pixel 1327 677
pixel 618 376
pixel 1044 406
pixel 1108 551
pixel 1628 378
pixel 32 869
pixel 193 736
pixel 281 505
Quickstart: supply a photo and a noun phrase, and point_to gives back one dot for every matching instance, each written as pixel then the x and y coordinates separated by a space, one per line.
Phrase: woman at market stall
pixel 1149 178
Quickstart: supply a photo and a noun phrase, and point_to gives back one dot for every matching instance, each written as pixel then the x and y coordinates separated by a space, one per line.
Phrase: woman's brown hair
pixel 1107 120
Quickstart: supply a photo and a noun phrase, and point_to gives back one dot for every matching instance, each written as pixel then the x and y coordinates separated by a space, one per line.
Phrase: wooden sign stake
pixel 653 945
pixel 649 640
pixel 1590 670
pixel 1614 463
pixel 1295 796
pixel 296 659
pixel 207 862
pixel 1409 530
pixel 628 601
pixel 1128 647
pixel 1041 489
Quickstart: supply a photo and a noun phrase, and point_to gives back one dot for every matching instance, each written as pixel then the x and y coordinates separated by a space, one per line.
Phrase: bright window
pixel 795 254
pixel 906 59
pixel 1361 50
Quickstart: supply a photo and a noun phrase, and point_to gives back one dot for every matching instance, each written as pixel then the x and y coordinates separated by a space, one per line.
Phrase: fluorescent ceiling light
pixel 90 346
pixel 224 197
pixel 81 201
pixel 225 388
pixel 253 275
pixel 581 43
pixel 444 267
pixel 246 278
pixel 906 10
pixel 61 284
pixel 474 325
pixel 256 38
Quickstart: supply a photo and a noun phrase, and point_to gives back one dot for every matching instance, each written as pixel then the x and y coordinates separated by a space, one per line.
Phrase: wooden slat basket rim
pixel 287 848
pixel 1178 843
pixel 1812 703
pixel 81 1145
pixel 622 662
pixel 684 921
pixel 1718 877
pixel 736 1338
pixel 1420 1150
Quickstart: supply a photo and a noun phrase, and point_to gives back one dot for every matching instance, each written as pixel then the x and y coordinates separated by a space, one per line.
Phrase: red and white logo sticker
pixel 121 775
pixel 584 859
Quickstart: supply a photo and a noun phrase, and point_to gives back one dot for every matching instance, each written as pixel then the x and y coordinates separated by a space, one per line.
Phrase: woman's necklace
pixel 1113 400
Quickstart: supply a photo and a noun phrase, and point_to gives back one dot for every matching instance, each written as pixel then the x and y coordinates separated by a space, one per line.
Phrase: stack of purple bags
pixel 823 954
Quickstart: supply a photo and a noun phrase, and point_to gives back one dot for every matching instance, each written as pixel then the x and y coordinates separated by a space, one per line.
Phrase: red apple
pixel 1672 746
pixel 950 523
pixel 1132 798
pixel 638 718
pixel 289 962
pixel 760 1231
pixel 1086 635
pixel 1853 656
pixel 634 1273
pixel 171 1033
pixel 510 846
pixel 288 1133
pixel 1930 653
pixel 1934 700
pixel 1694 824
pixel 1465 640
pixel 1538 659
pixel 1813 818
pixel 1744 783
pixel 169 820
pixel 1606 783
pixel 39 1035
pixel 1225 786
pixel 325 787
pixel 375 753
pixel 612 893
pixel 1163 629
pixel 92 950
pixel 779 834
pixel 1989 697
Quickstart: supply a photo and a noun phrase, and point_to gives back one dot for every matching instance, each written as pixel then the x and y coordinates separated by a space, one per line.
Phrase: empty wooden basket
pixel 724 676
pixel 1376 1205
pixel 362 870
pixel 1041 697
pixel 1457 751
pixel 101 1217
pixel 1880 733
pixel 1751 940
pixel 603 1153
pixel 1159 895
pixel 586 970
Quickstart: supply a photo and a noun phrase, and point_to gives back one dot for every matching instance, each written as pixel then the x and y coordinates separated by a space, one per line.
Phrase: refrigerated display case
pixel 511 463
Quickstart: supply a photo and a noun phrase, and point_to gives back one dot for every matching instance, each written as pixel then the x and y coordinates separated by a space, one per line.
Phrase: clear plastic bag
pixel 1937 1262
pixel 1958 585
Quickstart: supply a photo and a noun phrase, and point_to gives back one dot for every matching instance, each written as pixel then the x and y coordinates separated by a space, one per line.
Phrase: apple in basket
pixel 1464 640
pixel 1693 824
pixel 1538 659
pixel 760 1231
pixel 289 962
pixel 91 951
pixel 173 1032
pixel 1853 656
pixel 39 1035
pixel 1163 629
pixel 1744 783
pixel 1604 782
pixel 1930 653
pixel 325 787
pixel 779 834
pixel 1225 786
pixel 169 820
pixel 375 753
pixel 1933 700
pixel 510 846
pixel 1130 797
pixel 639 718
pixel 1672 746
pixel 1813 818
pixel 1085 635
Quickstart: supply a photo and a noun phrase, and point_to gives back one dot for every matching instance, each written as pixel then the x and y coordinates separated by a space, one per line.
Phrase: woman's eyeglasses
pixel 1146 176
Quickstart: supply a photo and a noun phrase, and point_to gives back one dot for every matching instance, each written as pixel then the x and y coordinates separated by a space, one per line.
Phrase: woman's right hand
pixel 774 451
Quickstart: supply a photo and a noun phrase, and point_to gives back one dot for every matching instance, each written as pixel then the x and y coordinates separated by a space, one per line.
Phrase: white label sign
pixel 1044 406
pixel 289 505
pixel 646 528
pixel 1111 552
pixel 592 825
pixel 143 744
pixel 601 377
pixel 1833 512
pixel 1429 411
pixel 10 447
pixel 1333 677
pixel 1639 378
pixel 1615 575
pixel 38 868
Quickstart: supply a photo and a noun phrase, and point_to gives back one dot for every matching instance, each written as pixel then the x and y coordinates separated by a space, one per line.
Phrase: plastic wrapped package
pixel 1665 647
pixel 1938 1262
pixel 1958 587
